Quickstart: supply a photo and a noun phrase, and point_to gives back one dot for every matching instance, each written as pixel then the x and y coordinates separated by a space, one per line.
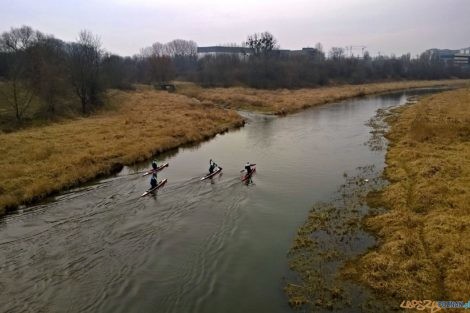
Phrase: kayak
pixel 247 176
pixel 157 170
pixel 217 171
pixel 160 184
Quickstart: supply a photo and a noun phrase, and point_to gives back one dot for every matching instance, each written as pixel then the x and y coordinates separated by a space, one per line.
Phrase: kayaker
pixel 212 166
pixel 153 181
pixel 248 167
pixel 154 164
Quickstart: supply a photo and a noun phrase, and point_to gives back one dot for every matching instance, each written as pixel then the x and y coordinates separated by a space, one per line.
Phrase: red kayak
pixel 219 169
pixel 160 184
pixel 248 175
pixel 157 170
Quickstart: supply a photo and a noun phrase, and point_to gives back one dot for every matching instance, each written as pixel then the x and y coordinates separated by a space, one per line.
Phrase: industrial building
pixel 459 56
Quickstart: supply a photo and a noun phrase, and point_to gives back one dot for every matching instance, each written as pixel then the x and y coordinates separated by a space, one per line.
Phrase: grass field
pixel 40 160
pixel 424 237
pixel 284 101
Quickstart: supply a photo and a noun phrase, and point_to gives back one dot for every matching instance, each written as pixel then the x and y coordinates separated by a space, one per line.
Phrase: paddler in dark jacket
pixel 153 181
pixel 248 167
pixel 154 165
pixel 212 166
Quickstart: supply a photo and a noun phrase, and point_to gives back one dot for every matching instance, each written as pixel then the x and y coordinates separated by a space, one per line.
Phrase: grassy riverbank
pixel 282 101
pixel 424 237
pixel 41 160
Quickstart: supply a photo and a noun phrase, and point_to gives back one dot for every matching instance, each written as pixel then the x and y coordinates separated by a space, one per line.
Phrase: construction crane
pixel 351 48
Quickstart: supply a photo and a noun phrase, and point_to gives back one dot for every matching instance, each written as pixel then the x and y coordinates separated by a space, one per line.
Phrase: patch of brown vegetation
pixel 424 237
pixel 284 101
pixel 38 161
pixel 330 237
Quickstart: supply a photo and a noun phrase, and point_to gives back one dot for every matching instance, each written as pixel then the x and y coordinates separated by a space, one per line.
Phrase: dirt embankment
pixel 41 160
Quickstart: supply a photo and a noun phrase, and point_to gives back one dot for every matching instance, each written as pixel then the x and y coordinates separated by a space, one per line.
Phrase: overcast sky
pixel 125 26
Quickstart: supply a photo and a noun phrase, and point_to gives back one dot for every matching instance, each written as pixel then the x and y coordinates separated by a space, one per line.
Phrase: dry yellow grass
pixel 38 161
pixel 424 238
pixel 284 101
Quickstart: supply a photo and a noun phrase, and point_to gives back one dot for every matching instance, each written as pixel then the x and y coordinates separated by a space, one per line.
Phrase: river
pixel 211 246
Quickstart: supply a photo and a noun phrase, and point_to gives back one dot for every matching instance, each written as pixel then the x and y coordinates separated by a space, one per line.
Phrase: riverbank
pixel 42 160
pixel 39 161
pixel 283 101
pixel 424 236
pixel 419 218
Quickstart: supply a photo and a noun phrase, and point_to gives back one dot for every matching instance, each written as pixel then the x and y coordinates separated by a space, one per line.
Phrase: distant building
pixel 463 57
pixel 465 51
pixel 221 50
pixel 245 51
pixel 290 53
pixel 304 51
pixel 460 57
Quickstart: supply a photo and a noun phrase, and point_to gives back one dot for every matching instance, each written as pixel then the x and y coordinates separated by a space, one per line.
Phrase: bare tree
pixel 159 49
pixel 18 39
pixel 262 44
pixel 19 92
pixel 161 68
pixel 156 49
pixel 49 76
pixel 85 56
pixel 337 53
pixel 159 62
pixel 145 52
pixel 180 47
pixel 183 54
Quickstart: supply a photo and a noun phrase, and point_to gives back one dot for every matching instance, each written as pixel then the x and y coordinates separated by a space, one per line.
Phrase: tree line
pixel 269 67
pixel 36 65
pixel 39 67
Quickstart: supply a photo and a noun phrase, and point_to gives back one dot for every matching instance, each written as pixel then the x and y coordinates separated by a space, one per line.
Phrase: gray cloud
pixel 125 26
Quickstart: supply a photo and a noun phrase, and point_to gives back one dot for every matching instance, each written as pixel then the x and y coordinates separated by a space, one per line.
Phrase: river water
pixel 211 246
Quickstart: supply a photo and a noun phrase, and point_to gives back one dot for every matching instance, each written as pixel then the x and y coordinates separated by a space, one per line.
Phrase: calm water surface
pixel 212 246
